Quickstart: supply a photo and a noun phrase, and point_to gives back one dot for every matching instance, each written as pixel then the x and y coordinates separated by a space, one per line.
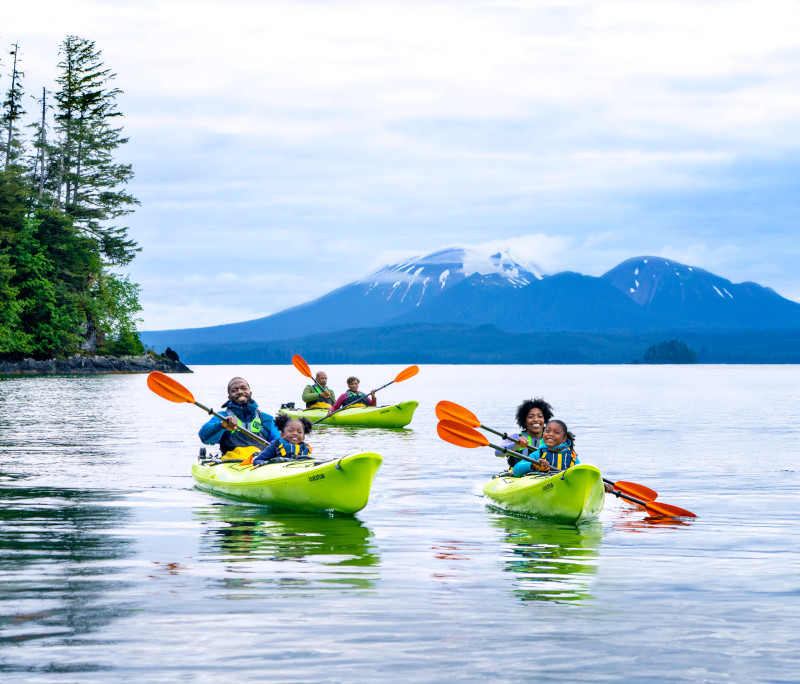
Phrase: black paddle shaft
pixel 516 454
pixel 251 435
pixel 354 400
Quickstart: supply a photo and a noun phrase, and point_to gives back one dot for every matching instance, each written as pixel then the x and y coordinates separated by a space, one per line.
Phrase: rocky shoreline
pixel 92 365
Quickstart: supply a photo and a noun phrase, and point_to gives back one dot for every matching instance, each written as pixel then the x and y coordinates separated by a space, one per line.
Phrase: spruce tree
pixel 13 111
pixel 89 183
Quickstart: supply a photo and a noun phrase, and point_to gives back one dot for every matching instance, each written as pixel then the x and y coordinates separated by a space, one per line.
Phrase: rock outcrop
pixel 90 365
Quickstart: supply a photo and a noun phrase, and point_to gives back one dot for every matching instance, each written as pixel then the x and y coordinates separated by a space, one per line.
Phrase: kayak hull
pixel 395 416
pixel 572 496
pixel 342 485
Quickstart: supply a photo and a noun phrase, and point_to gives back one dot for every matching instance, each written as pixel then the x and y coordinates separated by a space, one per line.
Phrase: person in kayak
pixel 353 398
pixel 291 444
pixel 243 418
pixel 532 415
pixel 318 394
pixel 557 450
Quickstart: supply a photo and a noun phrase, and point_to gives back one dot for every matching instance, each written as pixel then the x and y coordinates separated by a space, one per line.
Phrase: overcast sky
pixel 285 148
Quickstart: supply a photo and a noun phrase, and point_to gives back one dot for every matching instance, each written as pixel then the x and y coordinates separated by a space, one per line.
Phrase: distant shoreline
pixel 93 365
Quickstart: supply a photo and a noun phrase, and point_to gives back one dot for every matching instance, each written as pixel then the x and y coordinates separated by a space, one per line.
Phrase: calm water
pixel 114 568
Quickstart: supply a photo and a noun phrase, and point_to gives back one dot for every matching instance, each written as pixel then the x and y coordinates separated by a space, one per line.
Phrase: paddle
pixel 447 410
pixel 300 364
pixel 461 435
pixel 657 509
pixel 172 390
pixel 409 372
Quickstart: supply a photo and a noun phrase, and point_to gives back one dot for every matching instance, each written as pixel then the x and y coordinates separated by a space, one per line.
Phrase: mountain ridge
pixel 466 286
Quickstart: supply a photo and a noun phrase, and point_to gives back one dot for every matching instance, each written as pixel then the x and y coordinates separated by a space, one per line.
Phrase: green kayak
pixel 571 496
pixel 398 415
pixel 342 485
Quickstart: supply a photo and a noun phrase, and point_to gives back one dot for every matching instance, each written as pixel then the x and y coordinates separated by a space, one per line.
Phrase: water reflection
pixel 261 547
pixel 551 562
pixel 632 519
pixel 57 562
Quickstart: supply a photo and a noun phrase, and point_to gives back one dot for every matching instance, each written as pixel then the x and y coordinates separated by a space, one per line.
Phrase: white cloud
pixel 320 137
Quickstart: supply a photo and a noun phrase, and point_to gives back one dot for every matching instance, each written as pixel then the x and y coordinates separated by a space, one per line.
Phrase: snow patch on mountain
pixel 462 261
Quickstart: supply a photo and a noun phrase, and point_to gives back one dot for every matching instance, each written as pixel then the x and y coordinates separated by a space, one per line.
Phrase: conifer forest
pixel 63 199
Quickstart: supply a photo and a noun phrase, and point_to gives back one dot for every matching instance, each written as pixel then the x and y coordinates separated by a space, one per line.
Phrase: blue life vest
pixel 561 457
pixel 289 450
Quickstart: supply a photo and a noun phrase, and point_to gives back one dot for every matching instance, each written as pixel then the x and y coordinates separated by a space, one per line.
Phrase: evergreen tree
pixel 88 176
pixel 42 152
pixel 13 339
pixel 50 313
pixel 58 294
pixel 12 113
pixel 117 300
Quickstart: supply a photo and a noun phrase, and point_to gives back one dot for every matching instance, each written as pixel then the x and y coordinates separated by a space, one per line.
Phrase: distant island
pixel 461 306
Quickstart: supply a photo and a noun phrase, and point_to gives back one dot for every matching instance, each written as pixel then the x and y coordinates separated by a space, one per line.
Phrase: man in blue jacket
pixel 243 418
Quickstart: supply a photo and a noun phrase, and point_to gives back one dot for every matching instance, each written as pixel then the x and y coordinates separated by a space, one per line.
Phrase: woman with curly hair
pixel 291 444
pixel 532 415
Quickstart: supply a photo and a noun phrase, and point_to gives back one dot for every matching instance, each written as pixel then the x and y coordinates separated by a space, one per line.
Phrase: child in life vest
pixel 556 452
pixel 291 445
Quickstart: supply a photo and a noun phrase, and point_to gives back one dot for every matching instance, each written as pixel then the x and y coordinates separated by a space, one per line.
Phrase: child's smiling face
pixel 554 434
pixel 293 432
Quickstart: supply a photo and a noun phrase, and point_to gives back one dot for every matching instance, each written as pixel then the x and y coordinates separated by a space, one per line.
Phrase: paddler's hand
pixel 228 424
pixel 544 466
pixel 523 443
pixel 326 394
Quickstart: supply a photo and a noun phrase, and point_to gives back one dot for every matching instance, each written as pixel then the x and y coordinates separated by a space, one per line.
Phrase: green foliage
pixel 126 344
pixel 12 337
pixel 50 313
pixel 86 108
pixel 673 351
pixel 57 292
pixel 116 302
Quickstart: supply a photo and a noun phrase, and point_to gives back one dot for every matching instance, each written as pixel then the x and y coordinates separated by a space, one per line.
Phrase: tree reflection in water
pixel 57 562
pixel 550 561
pixel 289 550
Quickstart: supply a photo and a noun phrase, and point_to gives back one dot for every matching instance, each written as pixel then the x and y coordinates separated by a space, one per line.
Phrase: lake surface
pixel 114 568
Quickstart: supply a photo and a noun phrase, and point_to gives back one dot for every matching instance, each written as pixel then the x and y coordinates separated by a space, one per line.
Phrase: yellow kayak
pixel 573 495
pixel 341 485
pixel 395 416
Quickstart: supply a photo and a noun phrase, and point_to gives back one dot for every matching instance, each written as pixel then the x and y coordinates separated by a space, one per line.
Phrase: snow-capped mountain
pixel 424 277
pixel 473 287
pixel 388 294
pixel 681 295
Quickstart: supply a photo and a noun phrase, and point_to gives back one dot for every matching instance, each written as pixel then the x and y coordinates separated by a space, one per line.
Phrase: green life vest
pixel 350 396
pixel 320 401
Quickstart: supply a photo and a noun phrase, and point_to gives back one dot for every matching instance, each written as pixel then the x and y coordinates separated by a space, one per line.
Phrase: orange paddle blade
pixel 409 372
pixel 171 390
pixel 460 435
pixel 637 490
pixel 300 364
pixel 447 410
pixel 655 508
